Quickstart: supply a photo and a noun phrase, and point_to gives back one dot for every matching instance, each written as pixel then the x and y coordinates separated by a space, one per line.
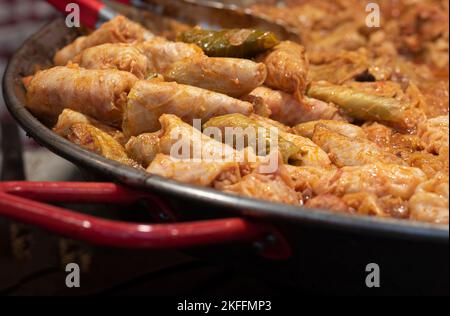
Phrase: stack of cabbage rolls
pixel 350 146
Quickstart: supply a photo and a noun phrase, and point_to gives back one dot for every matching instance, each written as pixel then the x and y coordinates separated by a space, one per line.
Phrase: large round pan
pixel 38 50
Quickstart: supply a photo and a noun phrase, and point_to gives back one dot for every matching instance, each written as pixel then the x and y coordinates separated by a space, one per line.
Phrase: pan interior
pixel 37 53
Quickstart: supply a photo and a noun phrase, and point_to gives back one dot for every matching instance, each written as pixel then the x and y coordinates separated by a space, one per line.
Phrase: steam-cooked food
pixel 230 76
pixel 187 64
pixel 118 30
pixel 310 153
pixel 148 100
pixel 339 68
pixel 266 121
pixel 271 187
pixel 99 142
pixel 352 119
pixel 430 201
pixel 180 140
pixel 249 132
pixel 120 56
pixel 161 53
pixel 272 184
pixel 286 109
pixel 83 133
pixel 238 43
pixel 69 117
pixel 144 148
pixel 350 151
pixel 287 68
pixel 346 129
pixel 435 134
pixel 294 149
pixel 101 94
pixel 204 173
pixel 180 62
pixel 378 179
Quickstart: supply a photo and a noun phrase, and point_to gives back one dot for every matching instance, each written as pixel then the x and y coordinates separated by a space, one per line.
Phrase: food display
pixel 351 119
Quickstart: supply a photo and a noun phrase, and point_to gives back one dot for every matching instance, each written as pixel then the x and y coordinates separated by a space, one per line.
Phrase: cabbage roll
pixel 148 100
pixel 101 94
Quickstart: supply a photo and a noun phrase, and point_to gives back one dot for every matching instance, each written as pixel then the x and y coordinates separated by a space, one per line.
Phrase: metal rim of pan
pixel 14 95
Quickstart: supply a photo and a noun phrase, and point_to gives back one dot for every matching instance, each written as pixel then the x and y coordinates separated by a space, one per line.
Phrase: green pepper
pixel 238 43
pixel 287 149
pixel 360 105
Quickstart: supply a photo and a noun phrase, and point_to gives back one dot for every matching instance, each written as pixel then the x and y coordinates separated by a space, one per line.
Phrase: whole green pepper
pixel 360 105
pixel 237 43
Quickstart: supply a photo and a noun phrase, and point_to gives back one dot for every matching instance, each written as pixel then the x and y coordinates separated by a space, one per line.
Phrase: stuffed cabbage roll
pixel 430 201
pixel 179 62
pixel 287 68
pixel 203 173
pixel 435 134
pixel 180 140
pixel 293 148
pixel 119 56
pixel 101 94
pixel 345 151
pixel 144 148
pixel 69 117
pixel 231 76
pixel 378 178
pixel 118 30
pixel 344 128
pixel 286 109
pixel 274 186
pixel 148 100
pixel 93 139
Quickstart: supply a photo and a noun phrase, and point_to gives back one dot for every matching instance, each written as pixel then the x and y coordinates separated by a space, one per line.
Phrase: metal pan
pixel 39 49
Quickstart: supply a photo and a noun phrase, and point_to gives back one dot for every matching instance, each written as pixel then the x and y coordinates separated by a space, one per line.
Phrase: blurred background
pixel 18 20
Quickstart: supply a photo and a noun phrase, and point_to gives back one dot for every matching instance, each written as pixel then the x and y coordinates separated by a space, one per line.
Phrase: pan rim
pixel 247 207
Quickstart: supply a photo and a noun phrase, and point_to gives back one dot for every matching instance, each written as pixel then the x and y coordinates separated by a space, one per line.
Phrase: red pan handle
pixel 131 2
pixel 92 12
pixel 16 203
pixel 72 192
